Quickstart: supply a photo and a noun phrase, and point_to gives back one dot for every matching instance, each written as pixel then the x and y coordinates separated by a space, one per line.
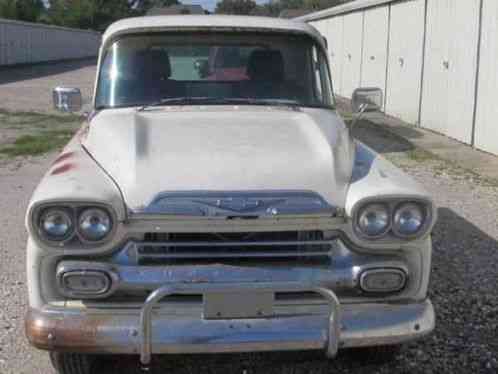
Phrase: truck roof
pixel 149 24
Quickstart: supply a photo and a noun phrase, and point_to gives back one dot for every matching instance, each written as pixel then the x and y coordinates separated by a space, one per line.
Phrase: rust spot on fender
pixel 75 334
pixel 63 169
pixel 63 157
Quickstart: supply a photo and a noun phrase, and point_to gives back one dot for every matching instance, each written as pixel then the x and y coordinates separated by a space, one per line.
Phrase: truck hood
pixel 225 149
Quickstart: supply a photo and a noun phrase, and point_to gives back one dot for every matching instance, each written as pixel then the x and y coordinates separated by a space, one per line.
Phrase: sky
pixel 211 4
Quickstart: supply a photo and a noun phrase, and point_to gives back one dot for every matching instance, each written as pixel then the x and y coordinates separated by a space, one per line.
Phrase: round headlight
pixel 56 224
pixel 94 224
pixel 373 220
pixel 408 219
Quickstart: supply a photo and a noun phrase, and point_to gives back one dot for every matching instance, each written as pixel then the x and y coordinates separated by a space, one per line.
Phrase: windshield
pixel 181 69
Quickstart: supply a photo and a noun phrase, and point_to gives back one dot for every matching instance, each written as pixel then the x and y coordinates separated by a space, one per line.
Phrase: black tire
pixel 376 354
pixel 71 363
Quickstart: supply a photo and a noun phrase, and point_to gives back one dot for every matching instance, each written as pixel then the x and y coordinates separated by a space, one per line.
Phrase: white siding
pixel 405 60
pixel 22 42
pixel 375 48
pixel 450 67
pixel 336 51
pixel 486 130
pixel 351 62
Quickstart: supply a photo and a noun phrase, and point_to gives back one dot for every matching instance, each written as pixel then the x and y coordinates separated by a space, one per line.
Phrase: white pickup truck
pixel 215 201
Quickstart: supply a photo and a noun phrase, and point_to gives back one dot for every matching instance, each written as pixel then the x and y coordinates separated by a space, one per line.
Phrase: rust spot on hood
pixel 63 169
pixel 63 157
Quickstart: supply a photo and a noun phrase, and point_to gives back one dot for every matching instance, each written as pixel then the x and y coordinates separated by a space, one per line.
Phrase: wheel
pixel 71 363
pixel 376 354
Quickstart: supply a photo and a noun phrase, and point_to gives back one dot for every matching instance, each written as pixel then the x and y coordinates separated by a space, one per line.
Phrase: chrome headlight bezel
pixel 74 210
pixel 394 203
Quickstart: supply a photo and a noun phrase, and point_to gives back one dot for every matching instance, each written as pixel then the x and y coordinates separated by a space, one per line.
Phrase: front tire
pixel 71 363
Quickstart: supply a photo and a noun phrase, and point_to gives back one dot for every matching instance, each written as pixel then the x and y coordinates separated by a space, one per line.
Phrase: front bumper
pixel 163 330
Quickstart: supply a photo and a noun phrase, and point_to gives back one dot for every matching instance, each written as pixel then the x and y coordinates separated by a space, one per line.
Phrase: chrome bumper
pixel 292 327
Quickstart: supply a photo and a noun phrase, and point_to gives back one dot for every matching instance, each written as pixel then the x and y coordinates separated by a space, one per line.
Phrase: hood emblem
pixel 239 204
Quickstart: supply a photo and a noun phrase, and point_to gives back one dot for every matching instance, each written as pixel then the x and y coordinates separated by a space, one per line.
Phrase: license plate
pixel 238 305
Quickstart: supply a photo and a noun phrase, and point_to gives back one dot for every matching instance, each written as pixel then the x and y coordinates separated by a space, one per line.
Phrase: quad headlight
pixel 374 220
pixel 402 219
pixel 73 223
pixel 94 224
pixel 56 224
pixel 408 219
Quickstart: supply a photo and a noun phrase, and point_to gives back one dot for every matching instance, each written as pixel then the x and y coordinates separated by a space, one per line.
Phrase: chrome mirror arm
pixel 361 110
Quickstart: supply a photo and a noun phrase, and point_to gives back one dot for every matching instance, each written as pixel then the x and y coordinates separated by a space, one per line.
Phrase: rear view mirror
pixel 368 99
pixel 202 67
pixel 67 99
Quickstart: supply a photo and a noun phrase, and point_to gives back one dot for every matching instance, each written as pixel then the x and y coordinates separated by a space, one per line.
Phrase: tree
pixel 22 10
pixel 8 9
pixel 242 7
pixel 29 10
pixel 89 14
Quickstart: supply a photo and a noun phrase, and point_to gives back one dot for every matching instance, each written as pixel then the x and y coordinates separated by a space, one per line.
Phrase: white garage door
pixel 351 59
pixel 405 60
pixel 335 40
pixel 450 67
pixel 376 26
pixel 486 129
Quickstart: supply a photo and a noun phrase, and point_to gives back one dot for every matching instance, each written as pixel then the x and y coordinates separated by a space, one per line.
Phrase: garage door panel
pixel 462 68
pixel 435 85
pixel 405 60
pixel 486 128
pixel 352 48
pixel 335 41
pixel 450 67
pixel 376 27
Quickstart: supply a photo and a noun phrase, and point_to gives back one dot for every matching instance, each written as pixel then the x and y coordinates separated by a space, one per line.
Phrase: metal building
pixel 26 43
pixel 435 60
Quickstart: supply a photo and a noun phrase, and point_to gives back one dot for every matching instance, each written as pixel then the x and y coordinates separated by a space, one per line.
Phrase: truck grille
pixel 161 248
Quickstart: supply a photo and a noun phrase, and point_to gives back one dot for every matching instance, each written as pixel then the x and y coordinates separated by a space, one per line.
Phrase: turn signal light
pixel 85 283
pixel 382 280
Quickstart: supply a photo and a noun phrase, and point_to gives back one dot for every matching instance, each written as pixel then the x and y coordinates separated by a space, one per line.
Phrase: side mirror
pixel 67 99
pixel 368 99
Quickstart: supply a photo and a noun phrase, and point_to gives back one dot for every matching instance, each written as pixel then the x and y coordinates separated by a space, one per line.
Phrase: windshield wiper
pixel 186 100
pixel 259 101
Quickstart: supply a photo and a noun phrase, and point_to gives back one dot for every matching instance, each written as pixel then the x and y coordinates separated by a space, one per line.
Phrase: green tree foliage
pixel 274 8
pixel 235 7
pixel 88 14
pixel 23 10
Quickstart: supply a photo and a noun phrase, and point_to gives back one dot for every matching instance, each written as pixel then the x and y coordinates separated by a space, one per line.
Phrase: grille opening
pixel 136 299
pixel 248 248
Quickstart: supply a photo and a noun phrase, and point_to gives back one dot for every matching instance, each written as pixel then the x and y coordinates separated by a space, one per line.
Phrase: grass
pixel 33 134
pixel 33 145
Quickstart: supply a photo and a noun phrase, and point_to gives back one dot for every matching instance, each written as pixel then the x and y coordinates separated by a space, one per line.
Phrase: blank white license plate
pixel 238 305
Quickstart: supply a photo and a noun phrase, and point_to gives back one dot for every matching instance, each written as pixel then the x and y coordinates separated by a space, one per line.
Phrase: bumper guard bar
pixel 156 296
